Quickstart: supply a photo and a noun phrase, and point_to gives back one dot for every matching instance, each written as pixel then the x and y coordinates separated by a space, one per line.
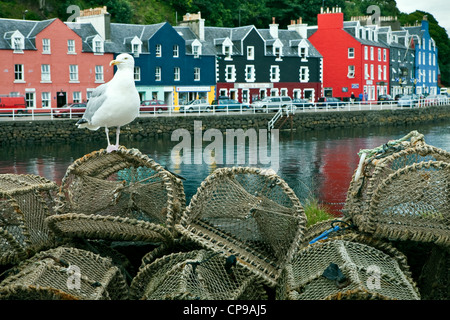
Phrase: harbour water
pixel 316 163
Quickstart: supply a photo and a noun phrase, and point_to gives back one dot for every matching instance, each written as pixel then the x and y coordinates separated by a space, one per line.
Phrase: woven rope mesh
pixel 247 212
pixel 368 273
pixel 195 275
pixel 120 188
pixel 413 204
pixel 64 273
pixel 25 202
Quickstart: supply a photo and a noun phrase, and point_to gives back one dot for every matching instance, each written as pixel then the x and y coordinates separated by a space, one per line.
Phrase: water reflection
pixel 319 163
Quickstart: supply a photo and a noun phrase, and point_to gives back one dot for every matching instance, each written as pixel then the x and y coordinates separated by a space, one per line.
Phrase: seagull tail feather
pixel 83 123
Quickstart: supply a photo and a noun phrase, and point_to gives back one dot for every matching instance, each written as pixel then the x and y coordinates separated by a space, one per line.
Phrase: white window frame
pixel 250 73
pixel 372 57
pixel 76 97
pixel 176 51
pixel 274 73
pixel 304 74
pixel 227 51
pixel 384 73
pixel 197 74
pixel 99 75
pixel 176 74
pixel 17 42
pixel 46 46
pixel 46 100
pixel 98 45
pixel 250 53
pixel 230 73
pixel 19 73
pixel 366 53
pixel 71 46
pixel 379 54
pixel 384 55
pixel 351 71
pixel 73 73
pixel 278 53
pixel 46 75
pixel 157 73
pixel 158 50
pixel 351 53
pixel 137 73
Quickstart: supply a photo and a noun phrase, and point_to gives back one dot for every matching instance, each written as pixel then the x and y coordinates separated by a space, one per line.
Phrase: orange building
pixel 50 63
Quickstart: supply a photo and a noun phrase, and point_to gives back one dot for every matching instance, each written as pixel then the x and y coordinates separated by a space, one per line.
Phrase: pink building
pixel 51 63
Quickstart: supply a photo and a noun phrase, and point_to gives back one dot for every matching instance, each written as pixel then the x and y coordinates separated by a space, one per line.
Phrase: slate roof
pixel 28 28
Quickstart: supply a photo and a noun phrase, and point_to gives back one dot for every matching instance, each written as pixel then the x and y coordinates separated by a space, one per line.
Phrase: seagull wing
pixel 96 100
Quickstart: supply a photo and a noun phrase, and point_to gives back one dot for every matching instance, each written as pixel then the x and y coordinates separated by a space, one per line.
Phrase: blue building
pixel 426 59
pixel 170 64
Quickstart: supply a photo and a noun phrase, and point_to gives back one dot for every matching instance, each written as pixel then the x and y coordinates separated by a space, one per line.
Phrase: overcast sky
pixel 440 9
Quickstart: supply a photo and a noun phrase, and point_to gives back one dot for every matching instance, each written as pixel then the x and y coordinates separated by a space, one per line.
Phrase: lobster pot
pixel 339 269
pixel 25 202
pixel 435 275
pixel 195 275
pixel 120 189
pixel 65 273
pixel 411 204
pixel 379 163
pixel 247 212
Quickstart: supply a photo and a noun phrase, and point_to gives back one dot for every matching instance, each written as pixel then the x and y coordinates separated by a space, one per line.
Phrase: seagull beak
pixel 114 62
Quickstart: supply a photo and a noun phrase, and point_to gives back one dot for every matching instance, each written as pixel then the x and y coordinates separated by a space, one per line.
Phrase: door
pixel 61 99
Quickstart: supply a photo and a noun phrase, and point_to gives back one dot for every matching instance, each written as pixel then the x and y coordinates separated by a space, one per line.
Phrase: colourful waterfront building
pixel 354 60
pixel 49 63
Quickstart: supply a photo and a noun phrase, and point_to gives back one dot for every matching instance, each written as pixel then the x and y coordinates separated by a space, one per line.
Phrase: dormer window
pixel 196 48
pixel 227 52
pixel 136 46
pixel 303 50
pixel 277 51
pixel 97 45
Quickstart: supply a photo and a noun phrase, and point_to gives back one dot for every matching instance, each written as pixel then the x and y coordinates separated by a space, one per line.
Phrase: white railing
pixel 208 110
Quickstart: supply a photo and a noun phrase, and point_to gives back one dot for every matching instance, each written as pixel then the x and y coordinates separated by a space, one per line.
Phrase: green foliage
pixel 315 212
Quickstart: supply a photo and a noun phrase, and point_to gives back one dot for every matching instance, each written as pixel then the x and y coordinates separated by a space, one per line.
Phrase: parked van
pixel 12 104
pixel 272 103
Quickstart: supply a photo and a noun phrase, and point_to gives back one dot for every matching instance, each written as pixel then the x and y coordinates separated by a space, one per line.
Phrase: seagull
pixel 115 103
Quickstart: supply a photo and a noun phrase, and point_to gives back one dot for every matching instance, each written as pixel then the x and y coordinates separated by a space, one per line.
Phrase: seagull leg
pixel 117 137
pixel 110 146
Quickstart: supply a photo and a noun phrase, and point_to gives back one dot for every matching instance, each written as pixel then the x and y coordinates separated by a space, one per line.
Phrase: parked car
pixel 13 104
pixel 398 96
pixel 196 106
pixel 272 103
pixel 153 106
pixel 385 98
pixel 223 104
pixel 302 103
pixel 70 110
pixel 409 100
pixel 325 102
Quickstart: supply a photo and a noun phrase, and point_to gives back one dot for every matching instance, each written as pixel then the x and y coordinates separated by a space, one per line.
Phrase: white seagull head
pixel 123 60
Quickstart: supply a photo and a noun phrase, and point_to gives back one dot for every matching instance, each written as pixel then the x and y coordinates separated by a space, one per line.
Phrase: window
pixel 137 73
pixel 99 74
pixel 371 71
pixel 98 46
pixel 423 58
pixel 366 52
pixel 158 50
pixel 420 57
pixel 303 53
pixel 304 74
pixel 76 97
pixel 158 74
pixel 380 71
pixel 351 72
pixel 196 51
pixel 29 98
pixel 196 74
pixel 274 73
pixel 45 45
pixel 384 55
pixel 135 49
pixel 45 72
pixel 250 73
pixel 250 53
pixel 399 56
pixel 277 52
pixel 429 59
pixel 230 73
pixel 70 46
pixel 18 73
pixel 18 44
pixel 176 74
pixel 46 99
pixel 434 59
pixel 371 53
pixel 73 72
pixel 366 71
pixel 176 51
pixel 384 73
pixel 227 52
pixel 379 54
pixel 351 53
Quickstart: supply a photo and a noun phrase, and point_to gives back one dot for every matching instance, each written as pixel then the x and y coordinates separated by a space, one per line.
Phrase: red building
pixel 353 58
pixel 51 64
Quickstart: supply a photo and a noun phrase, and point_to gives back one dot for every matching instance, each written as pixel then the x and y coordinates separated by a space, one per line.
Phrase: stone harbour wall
pixel 24 131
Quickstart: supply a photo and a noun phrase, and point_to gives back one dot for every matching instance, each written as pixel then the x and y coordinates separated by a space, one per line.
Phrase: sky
pixel 440 9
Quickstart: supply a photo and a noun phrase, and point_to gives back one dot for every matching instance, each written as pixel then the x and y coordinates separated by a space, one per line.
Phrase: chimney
pixel 273 29
pixel 301 28
pixel 195 23
pixel 100 20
